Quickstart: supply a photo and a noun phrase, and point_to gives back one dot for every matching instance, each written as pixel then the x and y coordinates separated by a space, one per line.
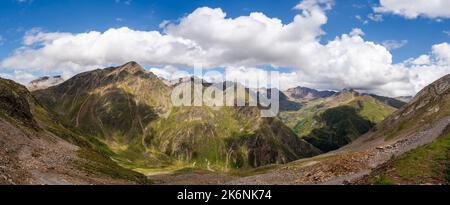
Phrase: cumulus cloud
pixel 240 45
pixel 360 19
pixel 350 61
pixel 413 9
pixel 169 72
pixel 393 44
pixel 19 76
pixel 442 53
pixel 257 38
pixel 421 60
pixel 83 51
pixel 427 68
pixel 260 78
pixel 375 17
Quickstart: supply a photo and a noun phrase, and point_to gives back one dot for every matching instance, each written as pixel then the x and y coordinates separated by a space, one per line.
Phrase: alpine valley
pixel 118 125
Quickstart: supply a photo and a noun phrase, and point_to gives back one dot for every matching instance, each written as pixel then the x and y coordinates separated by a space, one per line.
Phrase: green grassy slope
pixel 429 164
pixel 339 126
pixel 330 123
pixel 20 108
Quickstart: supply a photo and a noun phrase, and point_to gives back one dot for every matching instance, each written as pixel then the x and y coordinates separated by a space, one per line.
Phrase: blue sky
pixel 84 15
pixel 413 36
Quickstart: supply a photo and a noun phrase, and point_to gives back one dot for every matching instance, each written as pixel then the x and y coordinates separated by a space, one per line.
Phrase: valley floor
pixel 348 165
pixel 192 177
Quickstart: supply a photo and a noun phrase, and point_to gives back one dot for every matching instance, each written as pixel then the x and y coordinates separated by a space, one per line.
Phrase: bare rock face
pixel 45 82
pixel 428 99
pixel 303 93
pixel 433 92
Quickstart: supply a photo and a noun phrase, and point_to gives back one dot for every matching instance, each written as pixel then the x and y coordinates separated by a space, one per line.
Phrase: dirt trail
pixel 349 163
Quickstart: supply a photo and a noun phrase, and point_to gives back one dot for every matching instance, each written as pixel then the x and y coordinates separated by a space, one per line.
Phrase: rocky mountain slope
pixel 35 148
pixel 429 105
pixel 130 110
pixel 393 102
pixel 113 104
pixel 426 164
pixel 306 94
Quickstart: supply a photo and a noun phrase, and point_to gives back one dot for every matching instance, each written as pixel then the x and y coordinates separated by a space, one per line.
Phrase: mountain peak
pixel 304 93
pixel 349 91
pixel 45 82
pixel 131 67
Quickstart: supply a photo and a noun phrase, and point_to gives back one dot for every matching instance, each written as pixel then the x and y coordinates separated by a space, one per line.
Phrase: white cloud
pixel 442 52
pixel 350 61
pixel 375 17
pixel 393 44
pixel 357 32
pixel 421 60
pixel 240 45
pixel 258 38
pixel 260 77
pixel 84 51
pixel 427 68
pixel 19 76
pixel 169 73
pixel 413 9
pixel 360 19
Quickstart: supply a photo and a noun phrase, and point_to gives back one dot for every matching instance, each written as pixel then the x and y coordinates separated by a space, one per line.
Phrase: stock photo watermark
pixel 228 91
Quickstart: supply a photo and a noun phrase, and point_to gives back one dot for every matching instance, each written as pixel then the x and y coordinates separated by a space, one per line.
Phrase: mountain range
pixel 118 126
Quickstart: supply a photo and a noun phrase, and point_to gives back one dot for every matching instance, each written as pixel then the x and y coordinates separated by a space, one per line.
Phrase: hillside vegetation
pixel 53 153
pixel 130 110
pixel 330 123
